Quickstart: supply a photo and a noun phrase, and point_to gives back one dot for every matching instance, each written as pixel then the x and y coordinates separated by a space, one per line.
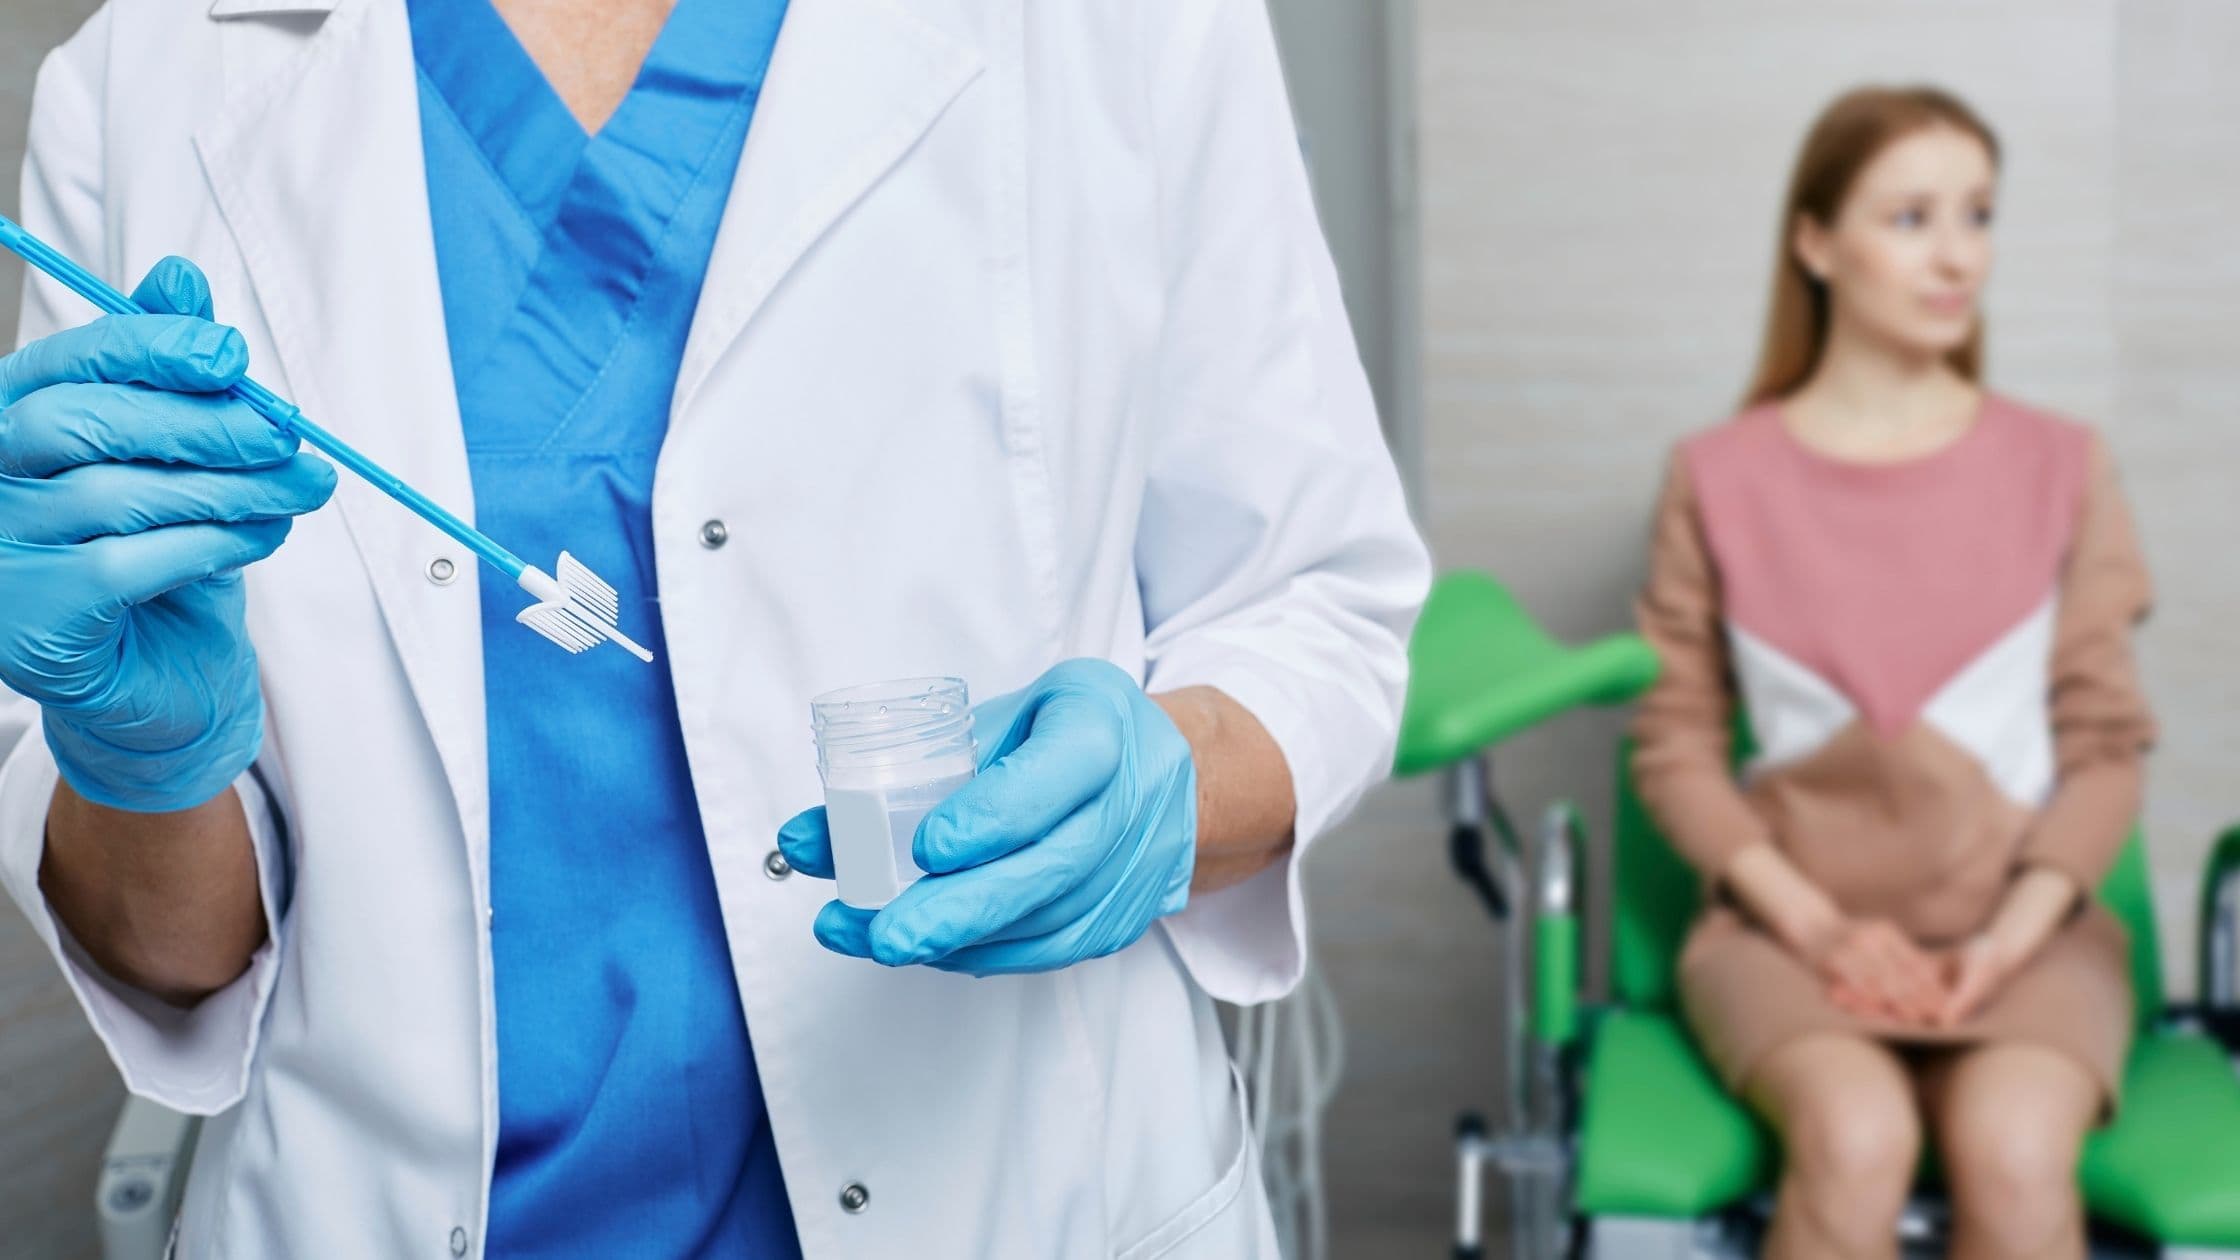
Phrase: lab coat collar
pixel 853 85
pixel 224 9
pixel 320 174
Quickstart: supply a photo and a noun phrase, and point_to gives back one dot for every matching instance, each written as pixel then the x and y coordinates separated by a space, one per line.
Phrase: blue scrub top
pixel 631 1121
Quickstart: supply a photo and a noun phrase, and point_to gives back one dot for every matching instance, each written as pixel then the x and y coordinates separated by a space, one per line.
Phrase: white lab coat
pixel 1019 343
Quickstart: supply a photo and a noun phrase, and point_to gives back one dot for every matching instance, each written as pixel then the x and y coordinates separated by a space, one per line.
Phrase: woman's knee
pixel 2011 1153
pixel 1856 1137
pixel 1846 1113
pixel 2010 1132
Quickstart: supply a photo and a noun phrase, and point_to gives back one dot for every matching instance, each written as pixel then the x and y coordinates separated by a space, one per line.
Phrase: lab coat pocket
pixel 1219 1199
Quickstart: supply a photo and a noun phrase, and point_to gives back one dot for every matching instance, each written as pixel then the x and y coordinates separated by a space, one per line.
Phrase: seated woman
pixel 1921 595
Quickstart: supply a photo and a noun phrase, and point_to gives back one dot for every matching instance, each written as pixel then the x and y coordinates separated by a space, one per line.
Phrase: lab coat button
pixel 714 534
pixel 854 1198
pixel 442 571
pixel 774 865
pixel 458 1240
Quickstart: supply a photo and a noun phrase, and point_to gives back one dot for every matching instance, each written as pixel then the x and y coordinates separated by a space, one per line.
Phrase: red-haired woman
pixel 1920 596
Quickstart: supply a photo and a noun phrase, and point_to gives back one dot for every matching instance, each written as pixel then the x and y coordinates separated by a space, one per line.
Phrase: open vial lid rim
pixel 891 692
pixel 905 745
pixel 902 717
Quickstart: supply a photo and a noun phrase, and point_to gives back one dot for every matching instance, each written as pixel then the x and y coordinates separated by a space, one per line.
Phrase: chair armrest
pixel 2220 938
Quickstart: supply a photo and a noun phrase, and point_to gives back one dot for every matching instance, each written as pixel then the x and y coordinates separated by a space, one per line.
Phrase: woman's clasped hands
pixel 1875 970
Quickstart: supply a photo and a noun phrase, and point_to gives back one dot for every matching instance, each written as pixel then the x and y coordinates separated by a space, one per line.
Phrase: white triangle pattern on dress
pixel 1998 708
pixel 1792 711
pixel 1995 708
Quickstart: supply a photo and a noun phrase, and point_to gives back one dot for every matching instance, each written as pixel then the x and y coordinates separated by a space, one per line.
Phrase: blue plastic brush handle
pixel 279 411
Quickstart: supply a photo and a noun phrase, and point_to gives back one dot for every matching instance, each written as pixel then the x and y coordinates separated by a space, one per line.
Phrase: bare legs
pixel 1851 1135
pixel 2008 1121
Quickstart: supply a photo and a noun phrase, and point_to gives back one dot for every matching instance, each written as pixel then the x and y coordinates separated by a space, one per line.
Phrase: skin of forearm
pixel 1246 809
pixel 166 903
pixel 2039 899
pixel 1780 896
pixel 1802 916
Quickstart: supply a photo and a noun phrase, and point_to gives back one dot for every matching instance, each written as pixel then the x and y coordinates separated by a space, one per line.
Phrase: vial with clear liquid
pixel 888 753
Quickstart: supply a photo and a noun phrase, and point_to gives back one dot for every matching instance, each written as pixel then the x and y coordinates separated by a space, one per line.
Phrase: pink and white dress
pixel 1933 662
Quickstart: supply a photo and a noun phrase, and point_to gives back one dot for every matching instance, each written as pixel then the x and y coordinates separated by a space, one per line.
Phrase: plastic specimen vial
pixel 888 753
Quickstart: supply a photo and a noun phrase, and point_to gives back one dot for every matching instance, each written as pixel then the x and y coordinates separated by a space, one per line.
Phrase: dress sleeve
pixel 2101 725
pixel 1683 733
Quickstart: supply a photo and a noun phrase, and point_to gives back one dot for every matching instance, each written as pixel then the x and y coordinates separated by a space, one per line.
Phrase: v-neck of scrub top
pixel 631 1119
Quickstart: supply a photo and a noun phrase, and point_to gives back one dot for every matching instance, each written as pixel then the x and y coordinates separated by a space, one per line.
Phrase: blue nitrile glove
pixel 1079 833
pixel 131 493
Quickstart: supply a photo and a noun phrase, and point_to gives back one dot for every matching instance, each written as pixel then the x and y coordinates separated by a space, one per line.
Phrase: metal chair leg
pixel 1527 1145
pixel 1469 1197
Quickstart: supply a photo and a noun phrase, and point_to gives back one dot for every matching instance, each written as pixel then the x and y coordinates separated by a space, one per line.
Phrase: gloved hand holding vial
pixel 1077 834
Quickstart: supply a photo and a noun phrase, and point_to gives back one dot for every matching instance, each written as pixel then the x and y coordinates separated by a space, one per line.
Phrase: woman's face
pixel 1908 253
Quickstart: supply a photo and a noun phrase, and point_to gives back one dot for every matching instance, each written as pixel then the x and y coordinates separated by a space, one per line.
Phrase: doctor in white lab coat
pixel 1018 344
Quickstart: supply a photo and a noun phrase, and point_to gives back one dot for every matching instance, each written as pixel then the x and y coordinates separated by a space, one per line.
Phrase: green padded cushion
pixel 1480 670
pixel 2169 1167
pixel 1659 1136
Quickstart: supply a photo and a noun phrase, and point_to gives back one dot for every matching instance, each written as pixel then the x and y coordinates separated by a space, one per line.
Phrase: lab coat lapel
pixel 320 174
pixel 852 86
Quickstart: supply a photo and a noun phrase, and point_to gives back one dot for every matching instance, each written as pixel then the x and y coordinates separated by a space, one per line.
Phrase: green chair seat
pixel 1481 670
pixel 1658 1135
pixel 2169 1167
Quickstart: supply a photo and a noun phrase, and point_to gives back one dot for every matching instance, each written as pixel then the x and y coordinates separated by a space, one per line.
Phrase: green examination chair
pixel 1615 1141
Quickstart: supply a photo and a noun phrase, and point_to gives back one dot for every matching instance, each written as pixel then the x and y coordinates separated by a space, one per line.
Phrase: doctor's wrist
pixel 167 903
pixel 1246 802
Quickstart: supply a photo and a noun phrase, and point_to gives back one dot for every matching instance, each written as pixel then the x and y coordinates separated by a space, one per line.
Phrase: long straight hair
pixel 1850 133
